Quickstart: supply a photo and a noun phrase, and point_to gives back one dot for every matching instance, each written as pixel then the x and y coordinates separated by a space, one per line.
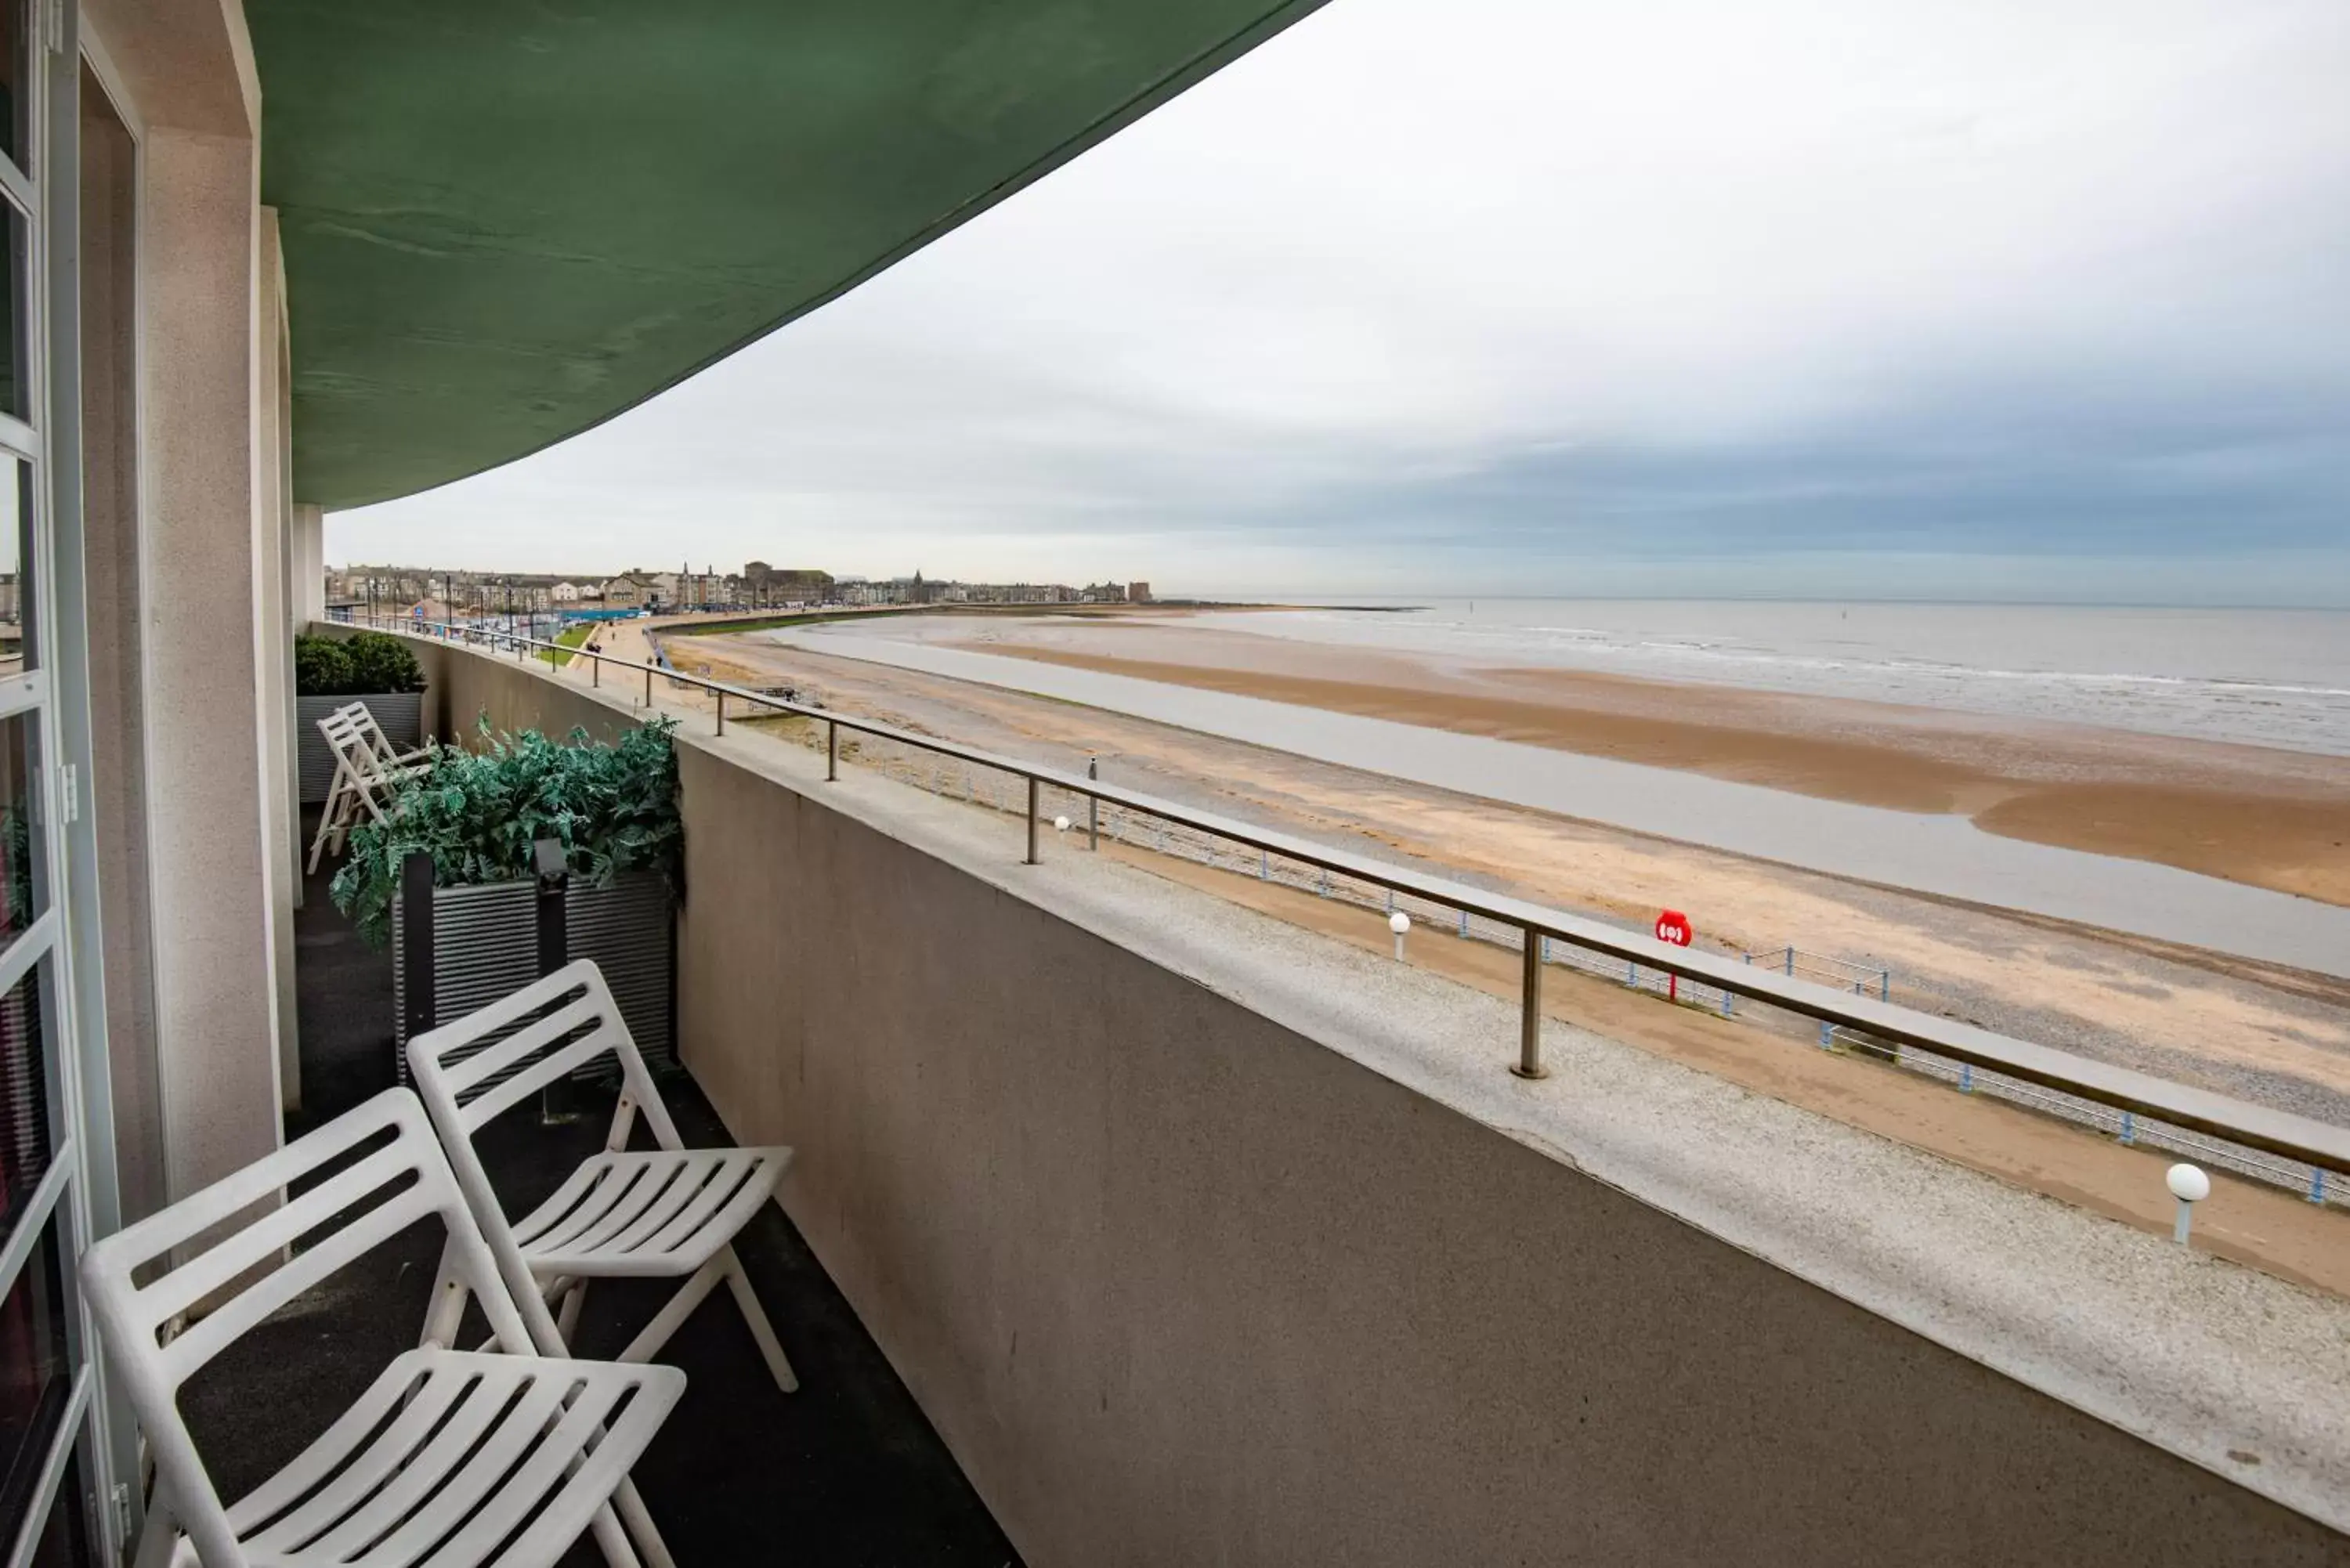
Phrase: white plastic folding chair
pixel 459 1459
pixel 340 733
pixel 389 758
pixel 668 1212
pixel 368 769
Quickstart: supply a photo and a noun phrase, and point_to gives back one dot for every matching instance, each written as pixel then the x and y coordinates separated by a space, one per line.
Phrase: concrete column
pixel 310 564
pixel 273 489
pixel 211 701
pixel 113 625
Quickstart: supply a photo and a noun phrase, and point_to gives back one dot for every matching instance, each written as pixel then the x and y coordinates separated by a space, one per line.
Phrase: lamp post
pixel 2189 1186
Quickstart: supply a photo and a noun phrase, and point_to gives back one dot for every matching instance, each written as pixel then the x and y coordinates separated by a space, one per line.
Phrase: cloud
pixel 1541 295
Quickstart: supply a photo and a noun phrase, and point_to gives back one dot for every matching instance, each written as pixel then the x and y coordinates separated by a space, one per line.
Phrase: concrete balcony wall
pixel 1180 1281
pixel 466 687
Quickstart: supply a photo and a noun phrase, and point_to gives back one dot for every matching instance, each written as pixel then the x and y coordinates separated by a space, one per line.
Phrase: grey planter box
pixel 402 714
pixel 486 946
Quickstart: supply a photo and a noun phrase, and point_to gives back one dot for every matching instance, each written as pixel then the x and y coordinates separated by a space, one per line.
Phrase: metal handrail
pixel 2283 1132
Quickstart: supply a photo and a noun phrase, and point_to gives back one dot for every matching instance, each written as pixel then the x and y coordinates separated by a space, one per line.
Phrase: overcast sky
pixel 1968 298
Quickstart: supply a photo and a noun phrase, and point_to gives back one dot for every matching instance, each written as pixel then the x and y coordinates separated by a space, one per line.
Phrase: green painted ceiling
pixel 506 220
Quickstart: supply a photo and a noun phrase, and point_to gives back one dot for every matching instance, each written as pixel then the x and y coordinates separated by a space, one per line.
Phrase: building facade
pixel 629 591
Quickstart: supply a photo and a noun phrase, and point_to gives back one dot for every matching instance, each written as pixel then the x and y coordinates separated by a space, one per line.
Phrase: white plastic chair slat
pixel 487 1107
pixel 321 1506
pixel 645 1191
pixel 715 1184
pixel 579 1189
pixel 448 1479
pixel 362 1504
pixel 717 1197
pixel 541 1474
pixel 370 729
pixel 498 1098
pixel 263 1239
pixel 687 1183
pixel 747 1181
pixel 508 1012
pixel 577 1235
pixel 608 1197
pixel 466 1074
pixel 204 1339
pixel 157 1233
pixel 367 772
pixel 400 1459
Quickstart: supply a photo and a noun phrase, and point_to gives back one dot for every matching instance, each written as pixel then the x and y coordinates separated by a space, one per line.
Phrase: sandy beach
pixel 2259 816
pixel 2264 1032
pixel 2261 1030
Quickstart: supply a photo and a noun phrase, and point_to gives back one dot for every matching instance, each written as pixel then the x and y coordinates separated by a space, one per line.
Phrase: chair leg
pixel 327 818
pixel 656 1334
pixel 778 1365
pixel 641 1525
pixel 343 825
pixel 568 1324
pixel 613 1541
pixel 446 1314
pixel 338 829
pixel 158 1542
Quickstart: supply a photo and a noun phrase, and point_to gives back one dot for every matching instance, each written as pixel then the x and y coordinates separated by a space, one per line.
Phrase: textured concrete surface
pixel 466 688
pixel 218 876
pixel 112 622
pixel 1201 1239
pixel 204 985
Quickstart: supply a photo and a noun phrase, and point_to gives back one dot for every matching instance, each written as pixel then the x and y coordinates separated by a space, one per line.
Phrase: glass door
pixel 53 1466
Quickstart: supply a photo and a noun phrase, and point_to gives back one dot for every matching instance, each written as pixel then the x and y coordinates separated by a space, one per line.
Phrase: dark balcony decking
pixel 846 1471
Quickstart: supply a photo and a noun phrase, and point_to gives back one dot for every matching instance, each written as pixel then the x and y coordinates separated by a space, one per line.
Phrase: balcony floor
pixel 846 1471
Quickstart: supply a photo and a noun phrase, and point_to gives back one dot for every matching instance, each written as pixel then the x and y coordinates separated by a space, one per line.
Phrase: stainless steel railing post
pixel 831 751
pixel 722 712
pixel 1529 1062
pixel 1033 792
pixel 1093 806
pixel 649 685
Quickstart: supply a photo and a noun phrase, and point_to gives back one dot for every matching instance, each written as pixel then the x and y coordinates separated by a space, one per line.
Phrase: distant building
pixel 1137 593
pixel 799 585
pixel 630 590
pixel 563 594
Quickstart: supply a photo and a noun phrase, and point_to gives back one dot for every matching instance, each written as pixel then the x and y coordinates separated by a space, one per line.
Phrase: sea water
pixel 1934 854
pixel 2261 677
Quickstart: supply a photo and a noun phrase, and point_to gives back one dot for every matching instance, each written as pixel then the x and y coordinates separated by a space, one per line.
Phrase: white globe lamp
pixel 2191 1186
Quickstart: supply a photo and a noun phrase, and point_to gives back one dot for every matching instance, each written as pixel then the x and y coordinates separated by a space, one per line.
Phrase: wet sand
pixel 2261 816
pixel 2260 1031
pixel 2274 1035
